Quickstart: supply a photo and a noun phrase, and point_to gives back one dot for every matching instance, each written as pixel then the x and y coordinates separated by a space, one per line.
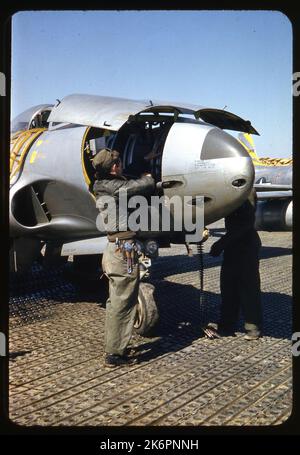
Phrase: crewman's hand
pixel 216 249
pixel 147 174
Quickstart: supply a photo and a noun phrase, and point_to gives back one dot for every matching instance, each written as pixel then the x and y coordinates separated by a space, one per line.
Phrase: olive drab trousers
pixel 121 305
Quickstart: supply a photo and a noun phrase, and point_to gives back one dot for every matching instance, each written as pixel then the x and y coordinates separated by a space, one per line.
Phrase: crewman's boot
pixel 114 360
pixel 252 332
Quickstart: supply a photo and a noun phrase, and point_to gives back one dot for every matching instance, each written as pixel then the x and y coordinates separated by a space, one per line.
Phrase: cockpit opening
pixel 139 142
pixel 40 119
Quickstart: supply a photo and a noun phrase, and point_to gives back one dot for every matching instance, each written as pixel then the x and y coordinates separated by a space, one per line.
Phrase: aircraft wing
pixel 272 187
pixel 94 245
pixel 274 195
pixel 272 191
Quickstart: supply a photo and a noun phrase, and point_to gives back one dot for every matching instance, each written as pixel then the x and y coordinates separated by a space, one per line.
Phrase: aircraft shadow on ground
pixel 182 316
pixel 168 265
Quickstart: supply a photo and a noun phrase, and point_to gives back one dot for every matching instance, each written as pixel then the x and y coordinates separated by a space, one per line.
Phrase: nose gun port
pixel 238 183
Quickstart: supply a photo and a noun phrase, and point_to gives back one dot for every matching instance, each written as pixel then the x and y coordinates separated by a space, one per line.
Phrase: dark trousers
pixel 240 287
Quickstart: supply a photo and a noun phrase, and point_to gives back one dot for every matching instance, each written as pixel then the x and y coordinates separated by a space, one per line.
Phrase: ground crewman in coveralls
pixel 240 279
pixel 119 259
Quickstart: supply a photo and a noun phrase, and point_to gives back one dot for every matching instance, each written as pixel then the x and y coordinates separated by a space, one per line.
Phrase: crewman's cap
pixel 105 159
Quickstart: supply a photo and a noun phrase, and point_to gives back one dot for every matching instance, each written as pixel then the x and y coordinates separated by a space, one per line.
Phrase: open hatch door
pixel 226 120
pixel 97 111
pixel 111 113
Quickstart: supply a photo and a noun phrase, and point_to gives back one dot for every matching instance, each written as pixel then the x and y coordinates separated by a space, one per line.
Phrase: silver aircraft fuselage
pixel 50 194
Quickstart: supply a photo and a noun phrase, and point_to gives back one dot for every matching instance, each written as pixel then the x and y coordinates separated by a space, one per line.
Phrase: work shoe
pixel 252 334
pixel 114 360
pixel 212 331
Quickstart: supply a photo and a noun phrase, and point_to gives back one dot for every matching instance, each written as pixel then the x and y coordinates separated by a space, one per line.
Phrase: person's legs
pixel 230 299
pixel 251 296
pixel 121 304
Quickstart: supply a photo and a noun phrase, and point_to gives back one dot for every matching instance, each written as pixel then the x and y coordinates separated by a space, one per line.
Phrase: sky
pixel 237 60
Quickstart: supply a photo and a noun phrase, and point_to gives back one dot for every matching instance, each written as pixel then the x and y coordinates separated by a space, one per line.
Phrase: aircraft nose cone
pixel 219 144
pixel 231 161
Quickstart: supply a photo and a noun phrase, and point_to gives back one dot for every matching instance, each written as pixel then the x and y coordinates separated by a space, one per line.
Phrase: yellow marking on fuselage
pixel 33 156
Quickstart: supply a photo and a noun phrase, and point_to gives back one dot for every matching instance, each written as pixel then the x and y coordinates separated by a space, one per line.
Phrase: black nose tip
pixel 219 144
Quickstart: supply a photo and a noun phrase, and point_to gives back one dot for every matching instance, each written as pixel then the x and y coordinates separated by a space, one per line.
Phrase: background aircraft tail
pixel 247 141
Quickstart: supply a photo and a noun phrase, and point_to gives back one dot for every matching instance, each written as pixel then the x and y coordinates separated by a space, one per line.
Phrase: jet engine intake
pixel 274 215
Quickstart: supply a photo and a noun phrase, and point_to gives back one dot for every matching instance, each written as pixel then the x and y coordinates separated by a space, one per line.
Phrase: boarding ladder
pixel 20 144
